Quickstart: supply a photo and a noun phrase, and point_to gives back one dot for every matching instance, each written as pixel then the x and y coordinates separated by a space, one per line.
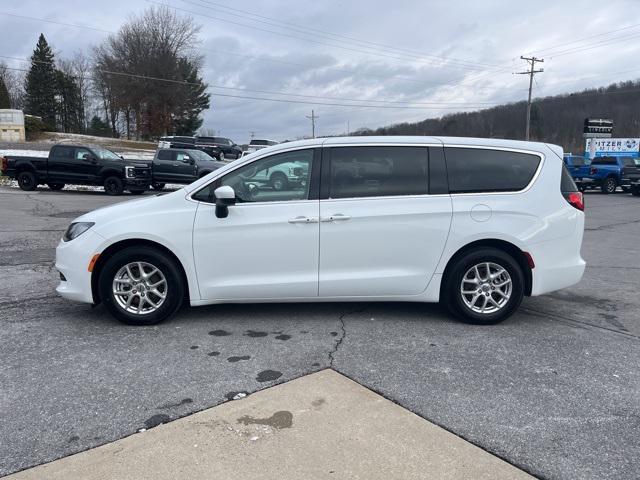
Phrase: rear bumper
pixel 558 262
pixel 72 261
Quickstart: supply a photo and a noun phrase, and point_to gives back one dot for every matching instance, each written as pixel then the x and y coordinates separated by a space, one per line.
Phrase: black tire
pixel 157 186
pixel 635 191
pixel 609 185
pixel 452 295
pixel 27 181
pixel 113 186
pixel 136 192
pixel 55 186
pixel 174 292
pixel 278 181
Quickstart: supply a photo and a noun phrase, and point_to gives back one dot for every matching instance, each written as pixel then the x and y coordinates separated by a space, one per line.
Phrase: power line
pixel 378 54
pixel 580 40
pixel 531 72
pixel 357 72
pixel 283 100
pixel 268 92
pixel 305 29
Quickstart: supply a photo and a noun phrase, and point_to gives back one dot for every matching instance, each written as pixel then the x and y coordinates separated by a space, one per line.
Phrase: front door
pixel 184 167
pixel 267 247
pixel 381 233
pixel 86 165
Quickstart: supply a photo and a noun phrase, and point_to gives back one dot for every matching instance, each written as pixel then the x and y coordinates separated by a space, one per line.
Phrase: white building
pixel 11 126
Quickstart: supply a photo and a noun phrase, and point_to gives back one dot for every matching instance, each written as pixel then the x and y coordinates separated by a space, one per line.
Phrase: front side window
pixel 474 170
pixel 82 153
pixel 181 157
pixel 105 154
pixel 378 171
pixel 277 178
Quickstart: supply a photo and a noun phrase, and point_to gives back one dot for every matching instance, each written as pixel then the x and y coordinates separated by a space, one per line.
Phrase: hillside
pixel 557 119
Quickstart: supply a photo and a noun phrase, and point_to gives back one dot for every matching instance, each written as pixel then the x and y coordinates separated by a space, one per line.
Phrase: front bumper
pixel 72 261
pixel 137 182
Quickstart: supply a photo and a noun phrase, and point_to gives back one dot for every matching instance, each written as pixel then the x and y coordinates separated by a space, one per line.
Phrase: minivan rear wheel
pixel 141 286
pixel 484 286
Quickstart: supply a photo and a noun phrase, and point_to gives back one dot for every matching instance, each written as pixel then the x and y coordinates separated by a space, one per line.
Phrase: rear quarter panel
pixel 537 215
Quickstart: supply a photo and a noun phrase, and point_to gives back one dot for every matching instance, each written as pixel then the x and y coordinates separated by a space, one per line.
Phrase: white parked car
pixel 474 223
pixel 258 144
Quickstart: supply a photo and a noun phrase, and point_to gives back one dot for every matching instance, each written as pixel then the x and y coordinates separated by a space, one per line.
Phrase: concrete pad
pixel 319 426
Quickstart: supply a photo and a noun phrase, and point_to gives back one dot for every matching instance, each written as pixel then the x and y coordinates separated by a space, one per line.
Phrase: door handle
pixel 336 217
pixel 302 219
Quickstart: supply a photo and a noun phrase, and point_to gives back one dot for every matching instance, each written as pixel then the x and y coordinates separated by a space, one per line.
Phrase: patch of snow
pixel 25 153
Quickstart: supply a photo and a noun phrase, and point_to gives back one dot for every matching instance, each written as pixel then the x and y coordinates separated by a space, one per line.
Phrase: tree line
pixel 555 119
pixel 142 82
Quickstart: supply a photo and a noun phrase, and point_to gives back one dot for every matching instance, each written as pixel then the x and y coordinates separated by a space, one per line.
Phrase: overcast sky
pixel 436 56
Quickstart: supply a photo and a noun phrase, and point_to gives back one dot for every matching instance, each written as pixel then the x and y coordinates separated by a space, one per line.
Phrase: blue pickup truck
pixel 606 173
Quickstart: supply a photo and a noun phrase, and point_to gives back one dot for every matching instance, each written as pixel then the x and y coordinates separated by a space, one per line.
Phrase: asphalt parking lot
pixel 555 390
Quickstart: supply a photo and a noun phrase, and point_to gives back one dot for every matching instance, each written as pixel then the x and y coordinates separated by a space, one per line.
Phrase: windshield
pixel 105 154
pixel 200 155
pixel 262 142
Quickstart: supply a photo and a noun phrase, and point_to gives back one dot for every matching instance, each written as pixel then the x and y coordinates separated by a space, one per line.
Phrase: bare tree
pixel 141 71
pixel 14 81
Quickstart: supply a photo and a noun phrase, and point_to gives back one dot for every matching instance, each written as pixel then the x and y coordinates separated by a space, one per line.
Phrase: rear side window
pixel 604 161
pixel 378 171
pixel 165 155
pixel 567 184
pixel 472 170
pixel 63 152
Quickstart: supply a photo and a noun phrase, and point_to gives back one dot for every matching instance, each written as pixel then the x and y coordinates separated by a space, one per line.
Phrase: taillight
pixel 575 199
pixel 593 171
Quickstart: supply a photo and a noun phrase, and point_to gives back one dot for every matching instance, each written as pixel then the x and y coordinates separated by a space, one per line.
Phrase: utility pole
pixel 348 132
pixel 531 72
pixel 313 118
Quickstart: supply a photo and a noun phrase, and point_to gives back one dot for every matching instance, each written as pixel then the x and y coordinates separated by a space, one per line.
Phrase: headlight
pixel 130 172
pixel 76 229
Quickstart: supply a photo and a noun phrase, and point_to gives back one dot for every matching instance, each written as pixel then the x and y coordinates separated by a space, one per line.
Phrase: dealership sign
pixel 602 147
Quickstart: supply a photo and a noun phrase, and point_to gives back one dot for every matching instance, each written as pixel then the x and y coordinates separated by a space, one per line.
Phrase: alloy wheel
pixel 139 288
pixel 486 288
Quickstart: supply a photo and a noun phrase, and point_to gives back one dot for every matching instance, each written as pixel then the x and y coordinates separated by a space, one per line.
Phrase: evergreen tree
pixel 41 83
pixel 5 100
pixel 188 120
pixel 99 127
pixel 69 103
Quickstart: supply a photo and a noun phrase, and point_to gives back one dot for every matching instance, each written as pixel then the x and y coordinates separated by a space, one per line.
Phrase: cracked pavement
pixel 554 390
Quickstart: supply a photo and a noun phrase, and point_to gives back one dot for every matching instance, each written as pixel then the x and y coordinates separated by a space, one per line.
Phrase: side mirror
pixel 187 159
pixel 87 157
pixel 225 197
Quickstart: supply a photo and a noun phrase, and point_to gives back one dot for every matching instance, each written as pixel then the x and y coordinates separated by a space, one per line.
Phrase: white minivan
pixel 476 224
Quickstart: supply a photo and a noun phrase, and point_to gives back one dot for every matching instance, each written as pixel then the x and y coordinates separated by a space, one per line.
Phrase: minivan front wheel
pixel 141 286
pixel 484 286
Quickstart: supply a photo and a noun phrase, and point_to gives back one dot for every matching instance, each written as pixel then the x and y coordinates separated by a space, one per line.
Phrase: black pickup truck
pixel 79 165
pixel 176 165
pixel 630 174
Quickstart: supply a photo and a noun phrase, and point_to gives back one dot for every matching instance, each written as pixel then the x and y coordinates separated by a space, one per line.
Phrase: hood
pixel 128 209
